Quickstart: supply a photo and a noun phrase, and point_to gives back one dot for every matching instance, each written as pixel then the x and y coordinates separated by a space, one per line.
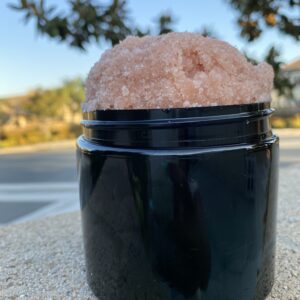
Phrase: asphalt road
pixel 37 184
pixel 60 165
pixel 43 166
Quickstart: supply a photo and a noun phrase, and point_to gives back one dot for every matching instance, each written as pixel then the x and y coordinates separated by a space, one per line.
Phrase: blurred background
pixel 48 47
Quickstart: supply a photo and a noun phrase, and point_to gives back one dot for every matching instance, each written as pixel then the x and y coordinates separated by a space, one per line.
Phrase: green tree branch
pixel 255 16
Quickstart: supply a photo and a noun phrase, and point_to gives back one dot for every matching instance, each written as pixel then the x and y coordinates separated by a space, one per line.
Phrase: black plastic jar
pixel 179 203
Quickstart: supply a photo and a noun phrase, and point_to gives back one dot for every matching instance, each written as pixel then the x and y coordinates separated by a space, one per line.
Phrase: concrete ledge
pixel 44 259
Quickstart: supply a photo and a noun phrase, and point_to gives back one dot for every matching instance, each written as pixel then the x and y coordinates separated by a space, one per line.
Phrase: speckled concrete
pixel 44 259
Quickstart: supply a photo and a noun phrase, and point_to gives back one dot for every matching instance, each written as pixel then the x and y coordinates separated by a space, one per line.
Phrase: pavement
pixel 44 259
pixel 40 180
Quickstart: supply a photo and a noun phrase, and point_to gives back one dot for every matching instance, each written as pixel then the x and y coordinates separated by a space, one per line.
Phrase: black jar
pixel 179 203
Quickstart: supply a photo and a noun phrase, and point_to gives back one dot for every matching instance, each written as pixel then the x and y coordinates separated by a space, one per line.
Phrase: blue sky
pixel 29 60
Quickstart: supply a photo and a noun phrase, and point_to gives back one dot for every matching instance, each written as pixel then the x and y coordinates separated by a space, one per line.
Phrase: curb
pixel 291 132
pixel 66 144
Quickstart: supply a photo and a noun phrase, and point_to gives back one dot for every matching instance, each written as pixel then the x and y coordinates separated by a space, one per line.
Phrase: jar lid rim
pixel 173 116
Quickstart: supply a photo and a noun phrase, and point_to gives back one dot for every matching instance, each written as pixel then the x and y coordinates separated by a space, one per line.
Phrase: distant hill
pixel 13 104
pixel 43 115
pixel 15 98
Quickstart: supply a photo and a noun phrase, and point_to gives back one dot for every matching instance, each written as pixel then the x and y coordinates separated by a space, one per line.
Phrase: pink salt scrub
pixel 175 70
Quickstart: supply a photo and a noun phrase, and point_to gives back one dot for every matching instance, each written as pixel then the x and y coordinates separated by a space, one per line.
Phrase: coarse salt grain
pixel 125 91
pixel 175 70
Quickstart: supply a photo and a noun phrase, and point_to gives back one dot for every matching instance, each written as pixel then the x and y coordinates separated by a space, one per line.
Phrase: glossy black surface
pixel 188 127
pixel 184 222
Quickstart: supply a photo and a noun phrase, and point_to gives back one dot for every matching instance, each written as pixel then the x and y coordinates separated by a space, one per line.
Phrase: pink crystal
pixel 175 70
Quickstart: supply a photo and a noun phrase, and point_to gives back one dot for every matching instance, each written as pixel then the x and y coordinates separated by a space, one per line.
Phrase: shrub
pixel 294 122
pixel 278 122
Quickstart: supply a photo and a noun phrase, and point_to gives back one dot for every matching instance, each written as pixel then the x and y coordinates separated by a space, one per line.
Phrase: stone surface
pixel 175 70
pixel 44 259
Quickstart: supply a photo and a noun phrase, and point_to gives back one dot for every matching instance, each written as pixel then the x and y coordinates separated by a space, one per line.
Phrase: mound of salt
pixel 175 70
